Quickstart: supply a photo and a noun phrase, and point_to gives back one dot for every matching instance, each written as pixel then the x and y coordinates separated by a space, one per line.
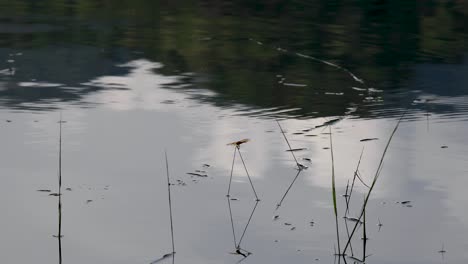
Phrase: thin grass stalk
pixel 346 191
pixel 60 249
pixel 59 236
pixel 354 179
pixel 170 205
pixel 60 156
pixel 364 236
pixel 248 175
pixel 376 176
pixel 232 170
pixel 289 145
pixel 346 211
pixel 232 223
pixel 287 190
pixel 346 195
pixel 335 207
pixel 361 180
pixel 347 233
pixel 247 225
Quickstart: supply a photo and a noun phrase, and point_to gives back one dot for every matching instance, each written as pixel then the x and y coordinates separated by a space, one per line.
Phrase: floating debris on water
pixel 44 190
pixel 54 194
pixel 68 189
pixel 88 201
pixel 301 166
pixel 206 165
pixel 325 148
pixel 298 133
pixel 197 174
pixel 307 159
pixel 296 149
pixel 234 199
pixel 311 135
pixel 444 147
pixel 295 84
pixel 368 139
pixel 293 228
pixel 287 224
pixel 442 251
pixel 181 182
pixel 165 256
pixel 276 217
pixel 330 122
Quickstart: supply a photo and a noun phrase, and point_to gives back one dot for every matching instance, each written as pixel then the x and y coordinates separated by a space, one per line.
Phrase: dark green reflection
pixel 380 41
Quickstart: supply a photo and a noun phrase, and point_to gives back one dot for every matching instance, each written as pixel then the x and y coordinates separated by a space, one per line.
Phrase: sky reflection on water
pixel 118 143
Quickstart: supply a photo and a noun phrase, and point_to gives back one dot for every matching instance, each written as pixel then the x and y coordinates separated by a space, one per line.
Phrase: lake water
pixel 134 79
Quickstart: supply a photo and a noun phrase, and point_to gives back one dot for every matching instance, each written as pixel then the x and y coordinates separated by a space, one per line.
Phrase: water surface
pixel 133 79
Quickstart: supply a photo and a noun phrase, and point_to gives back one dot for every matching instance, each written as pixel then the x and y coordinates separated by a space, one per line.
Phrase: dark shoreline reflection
pixel 243 58
pixel 45 77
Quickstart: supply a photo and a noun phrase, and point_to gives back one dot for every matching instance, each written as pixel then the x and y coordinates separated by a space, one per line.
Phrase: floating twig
pixel 368 139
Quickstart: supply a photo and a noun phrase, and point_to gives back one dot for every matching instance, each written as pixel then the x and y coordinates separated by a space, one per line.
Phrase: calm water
pixel 134 78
